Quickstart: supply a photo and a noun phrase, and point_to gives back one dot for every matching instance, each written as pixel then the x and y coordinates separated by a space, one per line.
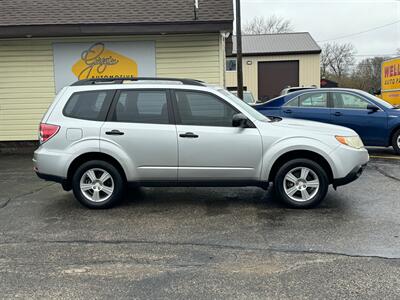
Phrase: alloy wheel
pixel 301 184
pixel 97 185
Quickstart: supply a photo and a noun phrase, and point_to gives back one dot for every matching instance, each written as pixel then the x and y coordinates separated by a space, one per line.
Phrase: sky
pixel 327 20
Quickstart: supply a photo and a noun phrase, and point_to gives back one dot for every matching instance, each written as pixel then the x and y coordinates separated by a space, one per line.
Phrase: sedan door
pixel 309 106
pixel 210 148
pixel 140 130
pixel 350 110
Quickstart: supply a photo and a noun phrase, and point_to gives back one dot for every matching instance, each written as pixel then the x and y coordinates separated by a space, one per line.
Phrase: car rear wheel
pixel 301 183
pixel 98 184
pixel 396 142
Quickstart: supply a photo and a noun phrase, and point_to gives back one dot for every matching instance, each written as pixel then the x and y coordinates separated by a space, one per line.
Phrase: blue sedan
pixel 376 121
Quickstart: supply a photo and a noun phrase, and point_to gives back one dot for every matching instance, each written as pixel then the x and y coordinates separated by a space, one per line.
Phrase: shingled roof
pixel 274 44
pixel 134 13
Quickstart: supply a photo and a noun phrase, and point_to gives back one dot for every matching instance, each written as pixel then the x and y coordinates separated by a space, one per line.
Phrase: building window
pixel 231 64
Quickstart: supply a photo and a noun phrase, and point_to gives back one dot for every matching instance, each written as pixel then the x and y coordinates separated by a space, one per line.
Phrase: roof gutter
pixel 278 53
pixel 28 31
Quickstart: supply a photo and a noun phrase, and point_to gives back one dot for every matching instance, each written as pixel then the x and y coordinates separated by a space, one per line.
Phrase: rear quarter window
pixel 91 105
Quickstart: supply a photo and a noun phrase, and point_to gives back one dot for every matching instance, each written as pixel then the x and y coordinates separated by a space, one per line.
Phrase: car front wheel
pixel 396 142
pixel 301 183
pixel 98 184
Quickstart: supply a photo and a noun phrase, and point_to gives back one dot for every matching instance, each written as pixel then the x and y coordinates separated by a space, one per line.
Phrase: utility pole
pixel 239 56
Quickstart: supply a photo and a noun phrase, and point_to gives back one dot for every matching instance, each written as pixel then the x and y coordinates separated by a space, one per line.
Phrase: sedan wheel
pixel 396 142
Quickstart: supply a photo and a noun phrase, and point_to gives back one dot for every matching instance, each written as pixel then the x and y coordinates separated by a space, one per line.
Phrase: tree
pixel 398 51
pixel 272 24
pixel 367 74
pixel 337 59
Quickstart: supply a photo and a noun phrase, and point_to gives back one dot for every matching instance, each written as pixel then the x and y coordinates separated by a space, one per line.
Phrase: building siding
pixel 27 85
pixel 309 70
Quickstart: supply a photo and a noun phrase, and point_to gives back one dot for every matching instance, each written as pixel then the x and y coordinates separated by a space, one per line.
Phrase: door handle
pixel 114 132
pixel 189 135
pixel 288 111
pixel 337 114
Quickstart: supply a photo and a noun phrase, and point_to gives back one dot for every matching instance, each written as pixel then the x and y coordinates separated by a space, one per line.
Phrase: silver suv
pixel 99 136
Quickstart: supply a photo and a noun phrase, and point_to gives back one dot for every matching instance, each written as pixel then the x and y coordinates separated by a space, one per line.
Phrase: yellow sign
pixel 392 97
pixel 99 62
pixel 391 75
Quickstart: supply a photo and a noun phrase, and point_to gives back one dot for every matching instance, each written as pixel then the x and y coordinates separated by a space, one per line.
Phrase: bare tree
pixel 337 59
pixel 272 24
pixel 367 74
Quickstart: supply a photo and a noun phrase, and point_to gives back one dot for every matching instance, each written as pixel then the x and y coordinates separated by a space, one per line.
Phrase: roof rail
pixel 120 80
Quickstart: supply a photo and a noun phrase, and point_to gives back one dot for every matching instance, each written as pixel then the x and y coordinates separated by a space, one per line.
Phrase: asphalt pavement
pixel 190 243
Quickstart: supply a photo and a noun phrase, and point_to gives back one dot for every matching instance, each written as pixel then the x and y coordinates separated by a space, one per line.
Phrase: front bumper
pixel 352 176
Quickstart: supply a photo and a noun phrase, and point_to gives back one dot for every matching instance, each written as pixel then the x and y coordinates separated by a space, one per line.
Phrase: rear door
pixel 350 110
pixel 140 126
pixel 210 148
pixel 309 106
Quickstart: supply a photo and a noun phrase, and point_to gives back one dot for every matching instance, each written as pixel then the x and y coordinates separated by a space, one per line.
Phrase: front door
pixel 210 149
pixel 141 129
pixel 351 111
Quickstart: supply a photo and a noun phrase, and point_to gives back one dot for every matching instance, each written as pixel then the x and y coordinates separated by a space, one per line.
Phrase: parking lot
pixel 200 242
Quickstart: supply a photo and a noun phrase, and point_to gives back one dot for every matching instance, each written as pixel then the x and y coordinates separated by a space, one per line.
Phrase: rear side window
pixel 314 100
pixel 91 105
pixel 293 103
pixel 136 106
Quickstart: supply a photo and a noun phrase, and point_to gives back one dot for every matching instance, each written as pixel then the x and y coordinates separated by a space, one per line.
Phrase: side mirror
pixel 239 120
pixel 372 108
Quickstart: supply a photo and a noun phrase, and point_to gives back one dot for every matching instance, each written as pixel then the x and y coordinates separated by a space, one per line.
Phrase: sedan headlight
pixel 351 141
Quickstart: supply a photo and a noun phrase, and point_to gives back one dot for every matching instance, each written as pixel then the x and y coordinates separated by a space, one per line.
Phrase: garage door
pixel 274 76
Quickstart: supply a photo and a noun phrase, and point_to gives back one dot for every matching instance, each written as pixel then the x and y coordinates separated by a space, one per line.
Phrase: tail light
pixel 47 131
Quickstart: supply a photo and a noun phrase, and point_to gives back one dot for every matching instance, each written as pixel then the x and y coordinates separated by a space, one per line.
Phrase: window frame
pixel 104 111
pixel 177 114
pixel 111 112
pixel 226 64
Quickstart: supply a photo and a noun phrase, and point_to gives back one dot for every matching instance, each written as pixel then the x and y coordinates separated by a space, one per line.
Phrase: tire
pixel 98 184
pixel 396 142
pixel 292 187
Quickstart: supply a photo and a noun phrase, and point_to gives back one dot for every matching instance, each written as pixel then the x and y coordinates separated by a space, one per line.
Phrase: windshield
pixel 379 100
pixel 247 97
pixel 250 110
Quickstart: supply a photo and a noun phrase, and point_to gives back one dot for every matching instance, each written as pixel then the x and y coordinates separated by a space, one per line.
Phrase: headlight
pixel 351 141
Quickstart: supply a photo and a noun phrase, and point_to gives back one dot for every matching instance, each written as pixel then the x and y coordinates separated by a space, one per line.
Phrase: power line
pixel 361 32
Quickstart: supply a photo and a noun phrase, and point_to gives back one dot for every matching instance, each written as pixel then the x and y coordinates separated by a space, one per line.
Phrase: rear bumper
pixel 51 178
pixel 61 180
pixel 352 176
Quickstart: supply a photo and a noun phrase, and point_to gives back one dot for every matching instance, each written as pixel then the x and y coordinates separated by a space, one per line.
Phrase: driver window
pixel 345 100
pixel 196 108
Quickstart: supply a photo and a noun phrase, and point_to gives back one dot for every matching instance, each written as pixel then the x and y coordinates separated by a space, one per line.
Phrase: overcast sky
pixel 330 19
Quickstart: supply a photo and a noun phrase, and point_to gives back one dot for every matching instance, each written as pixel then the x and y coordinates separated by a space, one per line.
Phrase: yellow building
pixel 272 62
pixel 44 47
